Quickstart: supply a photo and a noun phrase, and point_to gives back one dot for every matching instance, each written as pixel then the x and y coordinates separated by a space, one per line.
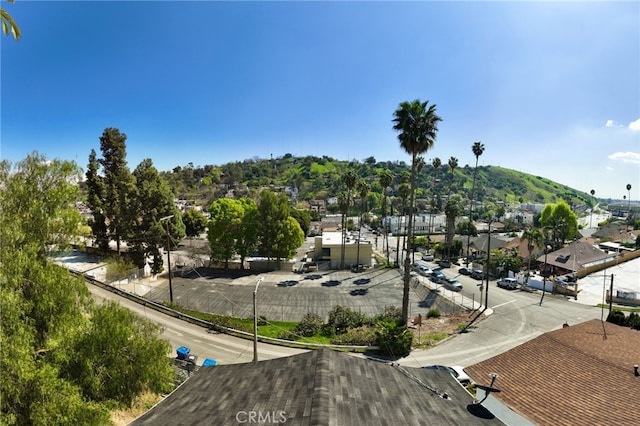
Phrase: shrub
pixel 634 321
pixel 617 317
pixel 433 313
pixel 393 338
pixel 262 320
pixel 362 336
pixel 310 325
pixel 341 319
pixel 390 313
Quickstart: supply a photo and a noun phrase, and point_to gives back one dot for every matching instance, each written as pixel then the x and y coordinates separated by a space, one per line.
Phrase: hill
pixel 321 177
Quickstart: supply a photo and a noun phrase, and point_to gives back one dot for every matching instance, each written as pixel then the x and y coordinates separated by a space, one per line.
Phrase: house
pixel 577 375
pixel 319 387
pixel 574 257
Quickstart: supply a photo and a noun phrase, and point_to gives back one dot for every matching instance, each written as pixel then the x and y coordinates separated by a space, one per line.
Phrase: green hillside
pixel 321 177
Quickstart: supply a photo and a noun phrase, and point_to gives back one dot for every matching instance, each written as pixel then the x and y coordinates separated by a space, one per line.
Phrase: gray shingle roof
pixel 320 387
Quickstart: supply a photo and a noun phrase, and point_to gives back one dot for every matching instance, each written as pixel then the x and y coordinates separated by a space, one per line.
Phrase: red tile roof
pixel 579 375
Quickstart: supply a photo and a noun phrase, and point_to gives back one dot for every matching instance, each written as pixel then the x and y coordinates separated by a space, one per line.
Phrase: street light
pixel 544 276
pixel 255 322
pixel 166 218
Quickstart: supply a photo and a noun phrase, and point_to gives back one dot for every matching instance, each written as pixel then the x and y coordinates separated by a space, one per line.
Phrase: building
pixel 575 257
pixel 578 375
pixel 328 249
pixel 319 387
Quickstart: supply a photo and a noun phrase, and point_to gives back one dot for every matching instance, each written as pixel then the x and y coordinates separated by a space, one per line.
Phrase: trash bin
pixel 183 352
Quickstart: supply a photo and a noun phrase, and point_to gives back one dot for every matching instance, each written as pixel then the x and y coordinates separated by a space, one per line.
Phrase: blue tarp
pixel 183 352
pixel 208 362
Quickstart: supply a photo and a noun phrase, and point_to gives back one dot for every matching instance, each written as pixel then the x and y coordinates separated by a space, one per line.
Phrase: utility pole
pixel 611 294
pixel 486 297
pixel 166 218
pixel 255 322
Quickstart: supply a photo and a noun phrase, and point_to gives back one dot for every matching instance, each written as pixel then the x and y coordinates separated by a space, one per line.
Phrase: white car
pixel 455 370
pixel 509 283
pixel 453 284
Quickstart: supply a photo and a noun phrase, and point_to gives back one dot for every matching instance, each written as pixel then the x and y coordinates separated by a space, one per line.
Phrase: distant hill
pixel 321 177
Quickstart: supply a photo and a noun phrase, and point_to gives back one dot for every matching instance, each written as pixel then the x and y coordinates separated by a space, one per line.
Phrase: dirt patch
pixel 436 329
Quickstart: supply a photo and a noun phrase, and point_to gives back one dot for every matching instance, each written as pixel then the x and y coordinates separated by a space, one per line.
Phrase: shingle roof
pixel 579 375
pixel 575 255
pixel 318 388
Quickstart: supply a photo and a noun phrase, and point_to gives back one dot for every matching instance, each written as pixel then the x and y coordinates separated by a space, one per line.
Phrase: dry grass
pixel 140 406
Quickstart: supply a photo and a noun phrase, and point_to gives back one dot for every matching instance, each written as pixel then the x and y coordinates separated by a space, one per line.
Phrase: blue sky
pixel 550 88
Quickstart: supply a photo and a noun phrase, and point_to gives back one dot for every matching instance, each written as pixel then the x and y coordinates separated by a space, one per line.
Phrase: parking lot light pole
pixel 255 322
pixel 166 218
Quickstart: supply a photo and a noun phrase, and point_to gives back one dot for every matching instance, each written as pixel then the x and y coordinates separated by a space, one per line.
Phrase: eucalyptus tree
pixel 386 178
pixel 363 192
pixel 417 123
pixel 478 150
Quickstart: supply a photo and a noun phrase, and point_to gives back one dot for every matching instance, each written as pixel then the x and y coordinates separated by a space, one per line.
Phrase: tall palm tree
pixel 403 191
pixel 478 149
pixel 417 123
pixel 363 191
pixel 453 165
pixel 534 238
pixel 8 24
pixel 593 193
pixel 385 178
pixel 420 163
pixel 452 210
pixel 435 163
pixel 629 198
pixel 350 178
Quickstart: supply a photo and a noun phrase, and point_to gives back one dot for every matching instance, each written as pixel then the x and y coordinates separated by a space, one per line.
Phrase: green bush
pixel 617 317
pixel 390 313
pixel 393 338
pixel 310 325
pixel 341 319
pixel 433 313
pixel 634 321
pixel 262 320
pixel 362 336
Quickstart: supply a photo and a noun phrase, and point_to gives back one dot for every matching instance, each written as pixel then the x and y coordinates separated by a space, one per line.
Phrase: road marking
pixel 502 304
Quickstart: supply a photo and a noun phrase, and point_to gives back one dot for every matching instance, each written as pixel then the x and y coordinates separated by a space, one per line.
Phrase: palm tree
pixel 593 192
pixel 403 191
pixel 435 163
pixel 417 123
pixel 629 198
pixel 350 178
pixel 452 210
pixel 8 24
pixel 420 163
pixel 385 177
pixel 363 191
pixel 534 238
pixel 453 164
pixel 478 149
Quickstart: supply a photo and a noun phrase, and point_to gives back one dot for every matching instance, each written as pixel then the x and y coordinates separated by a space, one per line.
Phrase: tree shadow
pixel 359 292
pixel 289 283
pixel 361 281
pixel 330 283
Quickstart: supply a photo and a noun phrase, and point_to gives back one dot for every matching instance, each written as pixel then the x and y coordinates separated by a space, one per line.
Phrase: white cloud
pixel 609 168
pixel 609 123
pixel 634 125
pixel 626 157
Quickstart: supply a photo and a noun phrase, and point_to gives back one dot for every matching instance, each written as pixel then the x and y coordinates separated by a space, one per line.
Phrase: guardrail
pixel 215 327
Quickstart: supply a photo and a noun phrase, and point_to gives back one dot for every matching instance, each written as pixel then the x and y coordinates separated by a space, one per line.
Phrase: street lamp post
pixel 166 218
pixel 544 276
pixel 255 322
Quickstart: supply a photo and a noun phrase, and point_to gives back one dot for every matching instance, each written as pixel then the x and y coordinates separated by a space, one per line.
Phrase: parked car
pixel 465 271
pixel 445 263
pixel 456 371
pixel 427 257
pixel 509 283
pixel 438 277
pixel 477 274
pixel 422 269
pixel 453 284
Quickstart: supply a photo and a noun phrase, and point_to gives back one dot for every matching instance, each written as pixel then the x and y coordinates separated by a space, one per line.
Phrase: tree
pixel 534 238
pixel 560 221
pixel 593 203
pixel 436 163
pixel 194 222
pixel 227 216
pixel 453 165
pixel 304 219
pixel 150 202
pixel 273 222
pixel 117 356
pixel 385 177
pixel 417 123
pixel 247 239
pixel 478 149
pixel 289 239
pixel 363 191
pixel 95 202
pixel 350 179
pixel 118 183
pixel 8 24
pixel 452 210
